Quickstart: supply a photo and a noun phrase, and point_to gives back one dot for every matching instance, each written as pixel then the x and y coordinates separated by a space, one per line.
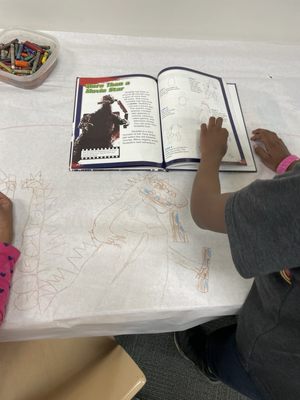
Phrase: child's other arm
pixel 272 151
pixel 8 257
pixel 8 254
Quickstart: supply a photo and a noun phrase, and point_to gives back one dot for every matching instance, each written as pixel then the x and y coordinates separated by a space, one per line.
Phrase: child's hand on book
pixel 213 140
pixel 272 151
pixel 5 219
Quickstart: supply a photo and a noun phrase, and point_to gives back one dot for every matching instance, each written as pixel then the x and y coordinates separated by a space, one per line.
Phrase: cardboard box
pixel 68 369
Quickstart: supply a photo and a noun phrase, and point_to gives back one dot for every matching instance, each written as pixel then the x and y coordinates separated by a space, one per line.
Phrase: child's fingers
pixel 203 129
pixel 2 196
pixel 219 122
pixel 225 132
pixel 268 139
pixel 264 131
pixel 5 202
pixel 262 153
pixel 264 136
pixel 211 122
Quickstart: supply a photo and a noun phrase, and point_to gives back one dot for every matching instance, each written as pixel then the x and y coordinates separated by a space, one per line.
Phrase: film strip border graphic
pixel 102 153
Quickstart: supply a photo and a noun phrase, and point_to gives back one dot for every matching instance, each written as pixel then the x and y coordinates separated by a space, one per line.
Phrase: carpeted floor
pixel 169 375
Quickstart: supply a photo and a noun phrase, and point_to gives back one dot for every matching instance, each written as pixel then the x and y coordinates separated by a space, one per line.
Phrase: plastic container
pixel 38 77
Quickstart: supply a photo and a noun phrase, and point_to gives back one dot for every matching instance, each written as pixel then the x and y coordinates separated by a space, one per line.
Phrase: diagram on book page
pixel 190 101
pixel 175 132
pixel 141 227
pixel 183 100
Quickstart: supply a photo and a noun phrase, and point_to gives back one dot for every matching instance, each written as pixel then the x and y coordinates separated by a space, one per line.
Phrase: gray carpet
pixel 169 376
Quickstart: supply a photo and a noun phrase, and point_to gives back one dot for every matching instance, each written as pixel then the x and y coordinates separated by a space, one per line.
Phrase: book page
pixel 188 99
pixel 116 123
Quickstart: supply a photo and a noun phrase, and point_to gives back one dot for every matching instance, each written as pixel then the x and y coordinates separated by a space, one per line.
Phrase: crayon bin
pixel 38 77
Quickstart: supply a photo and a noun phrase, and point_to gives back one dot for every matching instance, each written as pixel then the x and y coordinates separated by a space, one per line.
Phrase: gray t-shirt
pixel 263 224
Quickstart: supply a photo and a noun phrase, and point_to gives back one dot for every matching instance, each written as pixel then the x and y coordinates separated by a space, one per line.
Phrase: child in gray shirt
pixel 260 355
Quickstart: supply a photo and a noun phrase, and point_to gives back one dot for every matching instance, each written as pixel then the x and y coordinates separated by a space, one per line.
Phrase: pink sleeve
pixel 8 257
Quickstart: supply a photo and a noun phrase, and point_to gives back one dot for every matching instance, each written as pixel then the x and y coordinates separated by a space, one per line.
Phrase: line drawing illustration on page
pixel 172 82
pixel 183 100
pixel 174 133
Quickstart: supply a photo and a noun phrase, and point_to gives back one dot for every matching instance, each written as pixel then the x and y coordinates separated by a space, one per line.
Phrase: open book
pixel 142 122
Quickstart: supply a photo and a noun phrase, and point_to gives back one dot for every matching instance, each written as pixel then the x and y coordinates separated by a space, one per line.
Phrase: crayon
pixel 7 45
pixel 36 61
pixel 12 55
pixel 3 54
pixel 23 58
pixel 19 52
pixel 29 57
pixel 22 72
pixel 45 56
pixel 6 67
pixel 20 63
pixel 33 46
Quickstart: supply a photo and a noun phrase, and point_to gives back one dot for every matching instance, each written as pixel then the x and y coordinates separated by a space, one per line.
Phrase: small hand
pixel 273 150
pixel 5 219
pixel 213 139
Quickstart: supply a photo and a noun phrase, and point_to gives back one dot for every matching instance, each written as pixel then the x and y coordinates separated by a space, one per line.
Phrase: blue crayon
pixel 20 49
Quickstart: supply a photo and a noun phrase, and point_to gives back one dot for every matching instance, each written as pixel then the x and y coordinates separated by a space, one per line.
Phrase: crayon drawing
pixel 138 229
pixel 36 281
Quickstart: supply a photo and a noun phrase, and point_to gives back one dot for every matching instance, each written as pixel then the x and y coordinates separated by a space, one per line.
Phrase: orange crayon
pixel 20 63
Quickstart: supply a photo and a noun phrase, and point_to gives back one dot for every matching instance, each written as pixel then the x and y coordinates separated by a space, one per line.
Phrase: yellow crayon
pixel 6 67
pixel 45 56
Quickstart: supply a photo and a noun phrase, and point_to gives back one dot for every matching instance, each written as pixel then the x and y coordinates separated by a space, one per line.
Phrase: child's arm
pixel 8 257
pixel 207 201
pixel 8 253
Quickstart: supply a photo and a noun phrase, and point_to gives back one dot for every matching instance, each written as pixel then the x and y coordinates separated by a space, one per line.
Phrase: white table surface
pixel 98 256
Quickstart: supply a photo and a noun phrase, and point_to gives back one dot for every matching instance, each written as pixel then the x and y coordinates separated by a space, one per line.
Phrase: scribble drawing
pixel 178 232
pixel 8 184
pixel 142 221
pixel 153 197
pixel 202 273
pixel 36 282
pixel 139 223
pixel 201 270
pixel 31 236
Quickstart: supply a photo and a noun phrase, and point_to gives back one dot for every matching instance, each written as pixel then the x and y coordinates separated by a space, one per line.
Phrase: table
pixel 98 257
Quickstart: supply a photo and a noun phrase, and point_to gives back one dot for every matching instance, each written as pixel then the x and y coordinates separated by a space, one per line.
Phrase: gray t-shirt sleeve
pixel 263 225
